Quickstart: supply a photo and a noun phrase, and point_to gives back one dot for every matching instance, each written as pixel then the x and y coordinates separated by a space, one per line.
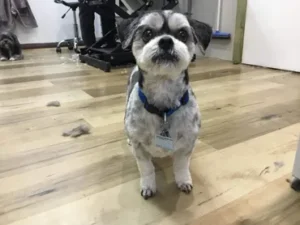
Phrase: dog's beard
pixel 153 60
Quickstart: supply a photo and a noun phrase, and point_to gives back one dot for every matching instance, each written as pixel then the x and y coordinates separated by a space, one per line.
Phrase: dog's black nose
pixel 166 43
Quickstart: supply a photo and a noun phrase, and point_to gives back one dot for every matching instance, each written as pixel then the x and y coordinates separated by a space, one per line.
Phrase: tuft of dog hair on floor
pixel 53 104
pixel 82 129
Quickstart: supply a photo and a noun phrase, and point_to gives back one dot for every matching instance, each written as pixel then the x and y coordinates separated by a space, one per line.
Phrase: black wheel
pixel 107 67
pixel 58 50
pixel 81 59
pixel 295 184
pixel 70 45
pixel 194 58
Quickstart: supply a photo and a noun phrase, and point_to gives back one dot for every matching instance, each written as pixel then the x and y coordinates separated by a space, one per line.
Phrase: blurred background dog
pixel 10 47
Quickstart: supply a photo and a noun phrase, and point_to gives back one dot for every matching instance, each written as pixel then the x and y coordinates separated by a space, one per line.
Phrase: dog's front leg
pixel 147 170
pixel 181 167
pixel 2 57
pixel 16 57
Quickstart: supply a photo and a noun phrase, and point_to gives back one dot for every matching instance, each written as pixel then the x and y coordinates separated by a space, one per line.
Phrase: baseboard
pixel 39 45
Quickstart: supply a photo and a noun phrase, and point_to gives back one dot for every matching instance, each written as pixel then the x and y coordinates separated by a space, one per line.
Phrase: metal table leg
pixel 295 183
pixel 189 8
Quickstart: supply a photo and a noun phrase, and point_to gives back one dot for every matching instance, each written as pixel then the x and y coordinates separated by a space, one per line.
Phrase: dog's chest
pixel 144 127
pixel 158 152
pixel 149 133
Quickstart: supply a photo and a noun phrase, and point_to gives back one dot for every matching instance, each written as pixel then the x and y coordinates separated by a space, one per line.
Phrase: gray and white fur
pixel 10 47
pixel 163 44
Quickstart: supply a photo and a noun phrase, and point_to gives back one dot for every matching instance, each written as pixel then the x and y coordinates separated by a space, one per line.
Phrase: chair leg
pixel 58 47
pixel 75 44
pixel 62 42
pixel 76 33
pixel 72 44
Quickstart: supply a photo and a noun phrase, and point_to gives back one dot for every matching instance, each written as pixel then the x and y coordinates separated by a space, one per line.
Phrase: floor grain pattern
pixel 251 120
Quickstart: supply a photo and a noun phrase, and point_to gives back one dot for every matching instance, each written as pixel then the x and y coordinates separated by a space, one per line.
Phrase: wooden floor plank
pixel 90 106
pixel 241 127
pixel 13 80
pixel 24 86
pixel 250 121
pixel 38 101
pixel 273 204
pixel 215 186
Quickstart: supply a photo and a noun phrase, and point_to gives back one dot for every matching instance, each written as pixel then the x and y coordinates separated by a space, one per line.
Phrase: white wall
pixel 51 27
pixel 206 11
pixel 272 34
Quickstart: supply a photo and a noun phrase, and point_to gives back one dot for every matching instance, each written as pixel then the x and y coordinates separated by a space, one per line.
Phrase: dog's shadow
pixel 167 200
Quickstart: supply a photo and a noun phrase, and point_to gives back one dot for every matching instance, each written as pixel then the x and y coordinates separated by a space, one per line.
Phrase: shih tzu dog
pixel 162 116
pixel 10 48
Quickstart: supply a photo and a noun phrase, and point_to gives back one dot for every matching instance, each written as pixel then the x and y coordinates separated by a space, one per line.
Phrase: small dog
pixel 10 48
pixel 162 117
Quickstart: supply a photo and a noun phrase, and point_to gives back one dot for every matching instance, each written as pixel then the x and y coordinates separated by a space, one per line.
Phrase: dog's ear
pixel 126 31
pixel 202 33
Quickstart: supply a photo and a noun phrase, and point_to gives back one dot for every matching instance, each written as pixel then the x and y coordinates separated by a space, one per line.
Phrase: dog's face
pixel 163 43
pixel 6 43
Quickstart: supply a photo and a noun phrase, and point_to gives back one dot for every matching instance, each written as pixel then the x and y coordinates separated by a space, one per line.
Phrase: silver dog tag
pixel 163 140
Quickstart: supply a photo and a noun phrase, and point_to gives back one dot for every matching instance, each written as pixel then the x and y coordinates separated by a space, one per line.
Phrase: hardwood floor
pixel 251 121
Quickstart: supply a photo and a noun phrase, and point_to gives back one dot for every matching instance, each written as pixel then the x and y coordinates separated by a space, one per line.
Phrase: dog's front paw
pixel 185 187
pixel 16 57
pixel 147 193
pixel 3 59
pixel 184 181
pixel 148 186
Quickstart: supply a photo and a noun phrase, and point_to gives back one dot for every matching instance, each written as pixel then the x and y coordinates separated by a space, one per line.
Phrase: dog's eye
pixel 182 35
pixel 147 35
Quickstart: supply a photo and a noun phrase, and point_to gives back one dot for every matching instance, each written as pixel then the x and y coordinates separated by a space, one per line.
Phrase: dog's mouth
pixel 165 57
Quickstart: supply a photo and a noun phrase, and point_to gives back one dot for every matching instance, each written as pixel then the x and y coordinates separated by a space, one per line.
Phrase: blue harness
pixel 162 113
